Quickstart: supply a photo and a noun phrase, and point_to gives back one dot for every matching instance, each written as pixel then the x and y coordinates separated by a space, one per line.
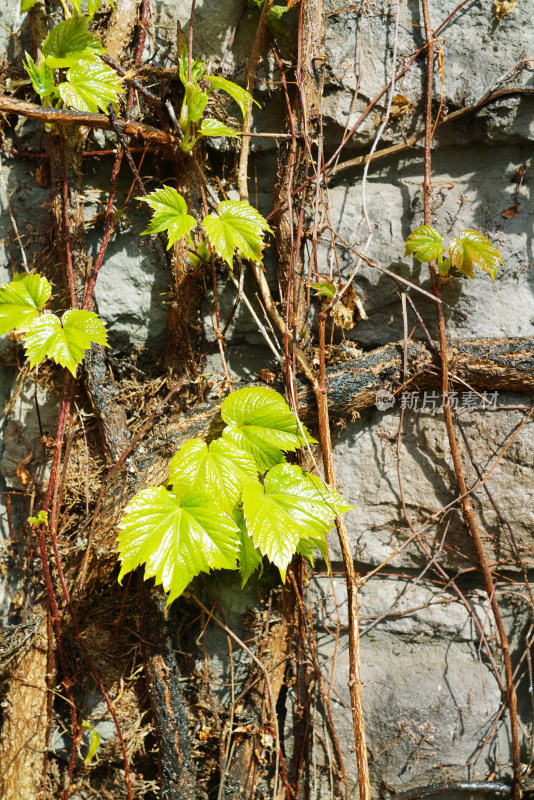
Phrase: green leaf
pixel 69 42
pixel 42 77
pixel 290 508
pixel 63 341
pixel 236 226
pixel 425 244
pixel 95 741
pixel 176 538
pixel 170 214
pixel 324 289
pixel 90 85
pixel 221 470
pixel 197 67
pixel 237 93
pixel 260 421
pixel 93 6
pixel 472 248
pixel 25 5
pixel 40 519
pixel 250 557
pixel 306 547
pixel 21 300
pixel 213 127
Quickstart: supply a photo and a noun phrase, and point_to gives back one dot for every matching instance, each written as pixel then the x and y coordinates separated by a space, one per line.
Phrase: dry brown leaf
pixel 504 7
pixel 22 473
pixel 400 106
pixel 510 212
pixel 41 175
pixel 349 310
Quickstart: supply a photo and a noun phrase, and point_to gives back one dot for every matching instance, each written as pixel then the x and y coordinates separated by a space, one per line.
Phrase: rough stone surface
pixel 365 456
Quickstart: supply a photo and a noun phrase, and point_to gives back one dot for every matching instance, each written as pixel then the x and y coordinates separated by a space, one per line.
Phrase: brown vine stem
pixel 469 516
pixel 242 175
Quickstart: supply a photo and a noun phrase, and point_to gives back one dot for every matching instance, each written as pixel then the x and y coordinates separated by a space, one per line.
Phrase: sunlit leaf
pixel 221 470
pixel 324 289
pixel 170 214
pixel 176 538
pixel 250 557
pixel 236 226
pixel 197 67
pixel 90 85
pixel 471 248
pixel 65 340
pixel 25 5
pixel 21 300
pixel 40 519
pixel 425 244
pixel 260 421
pixel 237 93
pixel 42 76
pixel 288 509
pixel 94 743
pixel 69 42
pixel 213 127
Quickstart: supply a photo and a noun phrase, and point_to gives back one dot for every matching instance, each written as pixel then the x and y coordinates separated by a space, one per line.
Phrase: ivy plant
pixel 45 335
pixel 235 227
pixel 73 53
pixel 197 88
pixel 467 250
pixel 229 503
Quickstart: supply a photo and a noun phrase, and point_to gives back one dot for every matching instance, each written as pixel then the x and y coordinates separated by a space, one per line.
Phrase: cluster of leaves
pixel 231 502
pixel 469 249
pixel 236 226
pixel 197 88
pixel 46 336
pixel 87 83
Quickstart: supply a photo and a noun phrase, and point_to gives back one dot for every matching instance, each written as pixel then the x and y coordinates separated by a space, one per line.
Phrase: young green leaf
pixel 290 508
pixel 25 5
pixel 324 289
pixel 95 741
pixel 260 421
pixel 170 214
pixel 69 42
pixel 221 470
pixel 21 300
pixel 63 341
pixel 197 67
pixel 471 248
pixel 236 226
pixel 40 519
pixel 92 6
pixel 425 244
pixel 237 93
pixel 213 127
pixel 42 77
pixel 90 85
pixel 176 538
pixel 250 557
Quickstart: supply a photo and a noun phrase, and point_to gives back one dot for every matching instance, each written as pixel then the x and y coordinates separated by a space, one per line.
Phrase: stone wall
pixel 433 704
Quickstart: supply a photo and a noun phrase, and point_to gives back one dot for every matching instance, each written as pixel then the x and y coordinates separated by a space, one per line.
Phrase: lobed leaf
pixel 221 470
pixel 237 93
pixel 176 538
pixel 290 509
pixel 250 557
pixel 425 244
pixel 170 214
pixel 324 289
pixel 42 76
pixel 69 42
pixel 65 340
pixel 22 299
pixel 90 85
pixel 260 421
pixel 472 248
pixel 236 226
